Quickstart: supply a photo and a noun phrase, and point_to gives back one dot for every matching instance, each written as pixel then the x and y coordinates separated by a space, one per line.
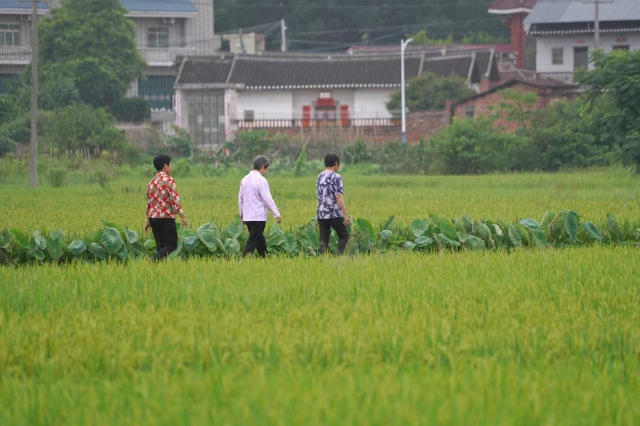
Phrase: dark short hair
pixel 160 161
pixel 331 160
pixel 260 161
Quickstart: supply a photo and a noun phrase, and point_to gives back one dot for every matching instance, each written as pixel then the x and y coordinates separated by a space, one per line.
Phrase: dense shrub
pixel 80 126
pixel 130 109
pixel 58 177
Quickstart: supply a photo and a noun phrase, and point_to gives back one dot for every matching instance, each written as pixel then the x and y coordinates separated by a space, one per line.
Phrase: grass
pixel 80 208
pixel 525 337
pixel 546 337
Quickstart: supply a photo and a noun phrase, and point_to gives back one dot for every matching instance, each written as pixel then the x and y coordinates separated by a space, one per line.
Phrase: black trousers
pixel 337 224
pixel 166 235
pixel 256 239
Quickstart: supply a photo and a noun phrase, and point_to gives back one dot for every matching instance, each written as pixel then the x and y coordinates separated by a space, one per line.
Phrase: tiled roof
pixel 584 28
pixel 511 6
pixel 319 71
pixel 17 4
pixel 183 6
pixel 573 11
pixel 540 83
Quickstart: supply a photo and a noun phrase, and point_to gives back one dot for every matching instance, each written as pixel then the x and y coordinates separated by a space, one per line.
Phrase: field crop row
pixel 532 337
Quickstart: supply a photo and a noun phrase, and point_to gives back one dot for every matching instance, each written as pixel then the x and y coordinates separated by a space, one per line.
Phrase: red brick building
pixel 515 11
pixel 548 91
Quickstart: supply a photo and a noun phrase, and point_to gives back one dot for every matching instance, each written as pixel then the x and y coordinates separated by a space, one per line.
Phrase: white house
pixel 164 30
pixel 564 31
pixel 218 95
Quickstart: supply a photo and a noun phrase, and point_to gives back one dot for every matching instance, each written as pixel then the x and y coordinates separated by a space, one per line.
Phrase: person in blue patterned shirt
pixel 331 206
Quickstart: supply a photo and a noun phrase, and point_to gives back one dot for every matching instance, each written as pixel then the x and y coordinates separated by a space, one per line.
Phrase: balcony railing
pixel 567 77
pixel 308 123
pixel 163 54
pixel 19 54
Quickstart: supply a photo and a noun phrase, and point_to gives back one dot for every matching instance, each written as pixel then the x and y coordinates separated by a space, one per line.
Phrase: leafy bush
pixel 58 177
pixel 80 126
pixel 429 92
pixel 474 146
pixel 130 109
pixel 114 243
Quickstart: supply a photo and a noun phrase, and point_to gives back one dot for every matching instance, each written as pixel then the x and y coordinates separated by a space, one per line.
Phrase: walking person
pixel 163 204
pixel 331 206
pixel 254 199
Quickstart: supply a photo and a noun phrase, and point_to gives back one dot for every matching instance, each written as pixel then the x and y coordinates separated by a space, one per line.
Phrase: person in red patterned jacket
pixel 163 204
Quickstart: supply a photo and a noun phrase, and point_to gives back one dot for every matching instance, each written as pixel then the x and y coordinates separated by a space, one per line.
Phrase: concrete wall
pixel 545 44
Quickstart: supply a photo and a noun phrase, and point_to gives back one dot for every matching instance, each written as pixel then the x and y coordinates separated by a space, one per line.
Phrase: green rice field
pixel 526 337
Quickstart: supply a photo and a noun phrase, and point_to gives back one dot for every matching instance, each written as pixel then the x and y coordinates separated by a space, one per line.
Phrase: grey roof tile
pixel 316 71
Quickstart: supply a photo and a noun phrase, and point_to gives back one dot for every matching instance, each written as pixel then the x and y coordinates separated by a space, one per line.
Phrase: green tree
pixel 91 43
pixel 615 79
pixel 429 92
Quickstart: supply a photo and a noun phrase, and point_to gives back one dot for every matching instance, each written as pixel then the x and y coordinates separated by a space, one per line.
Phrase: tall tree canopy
pixel 429 92
pixel 335 24
pixel 88 48
pixel 614 90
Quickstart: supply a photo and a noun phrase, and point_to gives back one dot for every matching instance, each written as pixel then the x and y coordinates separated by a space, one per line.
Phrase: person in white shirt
pixel 254 199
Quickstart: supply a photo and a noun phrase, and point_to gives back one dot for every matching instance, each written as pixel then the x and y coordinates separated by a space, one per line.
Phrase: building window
pixel 9 35
pixel 557 56
pixel 621 47
pixel 470 111
pixel 158 37
pixel 249 115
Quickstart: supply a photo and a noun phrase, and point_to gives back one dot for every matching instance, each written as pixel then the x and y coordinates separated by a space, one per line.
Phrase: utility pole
pixel 33 144
pixel 403 45
pixel 596 26
pixel 283 32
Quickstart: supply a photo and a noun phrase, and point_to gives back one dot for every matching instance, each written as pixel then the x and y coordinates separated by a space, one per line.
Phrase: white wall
pixel 545 44
pixel 371 103
pixel 265 104
pixel 287 105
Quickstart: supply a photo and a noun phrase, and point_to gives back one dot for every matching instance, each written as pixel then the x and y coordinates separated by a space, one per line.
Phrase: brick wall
pixel 546 96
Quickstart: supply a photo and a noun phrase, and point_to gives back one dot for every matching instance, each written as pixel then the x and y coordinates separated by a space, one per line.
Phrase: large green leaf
pixel 3 243
pixel 131 236
pixel 592 230
pixel 234 230
pixel 419 227
pixel 445 226
pixel 482 230
pixel 365 235
pixel 386 234
pixel 192 243
pixel 474 243
pixel 571 221
pixel 39 241
pixel 547 219
pixel 232 246
pixel 423 241
pixel 36 253
pixel 177 252
pixel 98 251
pixel 530 223
pixel 123 252
pixel 290 243
pixel 468 223
pixel 54 249
pixel 111 240
pixel 209 237
pixel 524 234
pixel 445 241
pixel 77 247
pixel 539 238
pixel 514 236
pixel 409 245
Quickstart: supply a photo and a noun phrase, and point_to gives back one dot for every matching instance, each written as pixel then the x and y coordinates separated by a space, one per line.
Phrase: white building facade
pixel 565 35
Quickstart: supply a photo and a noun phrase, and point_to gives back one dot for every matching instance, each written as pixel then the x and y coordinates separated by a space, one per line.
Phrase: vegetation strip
pixel 437 233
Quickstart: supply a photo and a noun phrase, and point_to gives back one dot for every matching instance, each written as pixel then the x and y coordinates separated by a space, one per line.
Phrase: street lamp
pixel 403 45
